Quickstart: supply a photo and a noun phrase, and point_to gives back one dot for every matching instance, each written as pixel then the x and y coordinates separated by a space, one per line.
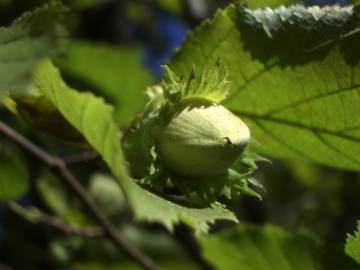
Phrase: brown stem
pixel 83 157
pixel 34 215
pixel 67 229
pixel 59 167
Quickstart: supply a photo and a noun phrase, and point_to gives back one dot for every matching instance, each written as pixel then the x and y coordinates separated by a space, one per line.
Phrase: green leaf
pixel 93 118
pixel 175 6
pixel 352 247
pixel 61 201
pixel 82 4
pixel 265 3
pixel 116 71
pixel 295 77
pixel 13 174
pixel 33 36
pixel 253 248
pixel 107 194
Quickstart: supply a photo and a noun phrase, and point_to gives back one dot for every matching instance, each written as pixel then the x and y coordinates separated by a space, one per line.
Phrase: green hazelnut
pixel 200 139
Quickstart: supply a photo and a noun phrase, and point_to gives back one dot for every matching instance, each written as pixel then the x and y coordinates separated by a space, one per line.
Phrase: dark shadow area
pixel 300 38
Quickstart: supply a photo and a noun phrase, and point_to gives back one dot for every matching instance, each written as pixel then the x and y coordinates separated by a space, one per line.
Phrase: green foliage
pixel 60 201
pixel 291 73
pixel 102 188
pixel 107 194
pixel 13 174
pixel 116 72
pixel 209 83
pixel 296 87
pixel 352 247
pixel 175 6
pixel 254 248
pixel 30 38
pixel 92 117
pixel 83 3
pixel 253 4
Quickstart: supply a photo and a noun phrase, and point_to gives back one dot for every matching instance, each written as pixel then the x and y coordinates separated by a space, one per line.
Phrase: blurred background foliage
pixel 116 50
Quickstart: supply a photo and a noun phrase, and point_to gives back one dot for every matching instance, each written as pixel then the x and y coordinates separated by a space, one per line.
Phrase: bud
pixel 200 139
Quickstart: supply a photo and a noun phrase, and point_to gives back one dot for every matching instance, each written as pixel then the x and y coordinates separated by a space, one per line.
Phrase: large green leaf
pixel 295 74
pixel 93 118
pixel 116 71
pixel 253 248
pixel 352 247
pixel 30 38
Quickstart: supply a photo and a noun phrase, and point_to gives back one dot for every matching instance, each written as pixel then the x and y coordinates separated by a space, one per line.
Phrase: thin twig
pixel 36 216
pixel 83 157
pixel 67 229
pixel 59 167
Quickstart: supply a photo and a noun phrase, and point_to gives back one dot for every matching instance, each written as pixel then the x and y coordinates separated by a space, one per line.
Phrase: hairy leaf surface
pixel 29 39
pixel 295 77
pixel 93 118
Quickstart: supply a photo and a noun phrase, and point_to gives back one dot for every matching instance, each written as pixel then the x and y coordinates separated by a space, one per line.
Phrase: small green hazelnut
pixel 200 138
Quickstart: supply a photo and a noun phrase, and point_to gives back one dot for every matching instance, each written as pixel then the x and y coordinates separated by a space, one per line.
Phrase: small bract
pixel 200 139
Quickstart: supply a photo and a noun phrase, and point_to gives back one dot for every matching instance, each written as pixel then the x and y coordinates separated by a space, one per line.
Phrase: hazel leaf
pixel 261 248
pixel 295 75
pixel 35 35
pixel 352 247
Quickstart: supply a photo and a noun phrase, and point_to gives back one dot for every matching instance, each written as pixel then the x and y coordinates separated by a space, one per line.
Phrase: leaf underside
pixel 295 77
pixel 30 38
pixel 253 248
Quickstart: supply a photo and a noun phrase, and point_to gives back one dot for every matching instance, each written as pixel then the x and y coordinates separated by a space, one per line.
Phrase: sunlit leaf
pixel 352 247
pixel 295 77
pixel 265 3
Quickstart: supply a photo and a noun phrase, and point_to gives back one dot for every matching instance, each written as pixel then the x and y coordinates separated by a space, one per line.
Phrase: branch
pixel 59 167
pixel 36 216
pixel 83 157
